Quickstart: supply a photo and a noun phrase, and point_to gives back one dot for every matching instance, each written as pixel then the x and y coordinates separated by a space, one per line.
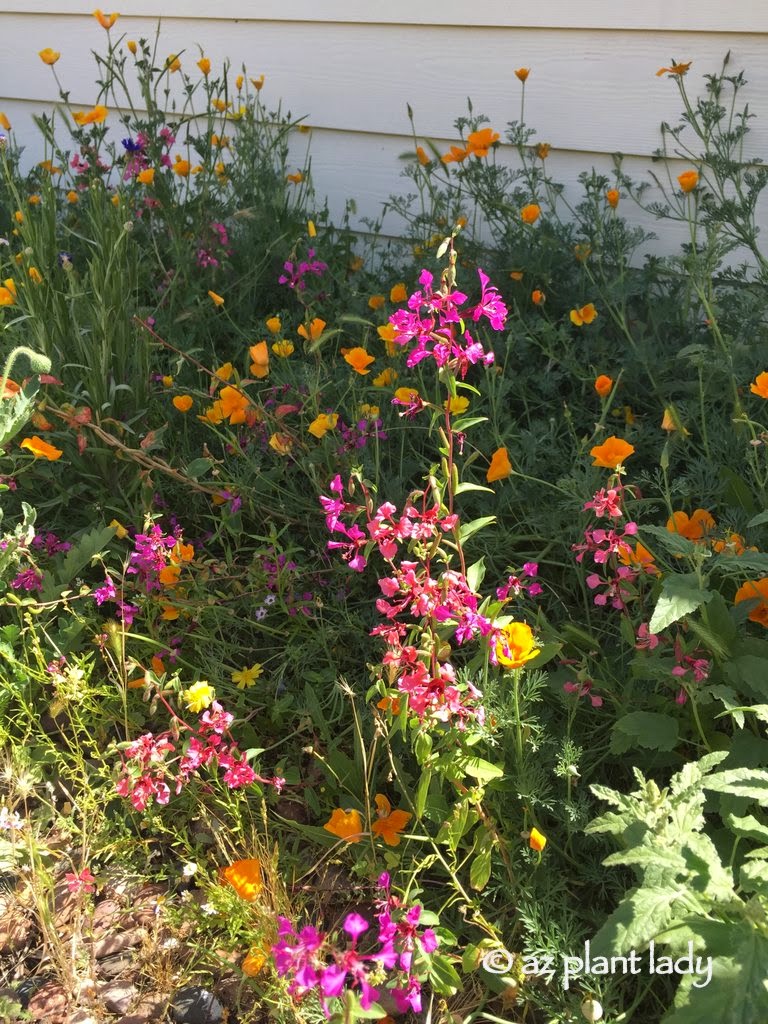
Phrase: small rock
pixel 49 1003
pixel 107 916
pixel 15 932
pixel 118 941
pixel 64 904
pixel 81 1016
pixel 114 965
pixel 27 988
pixel 150 1008
pixel 194 1005
pixel 117 996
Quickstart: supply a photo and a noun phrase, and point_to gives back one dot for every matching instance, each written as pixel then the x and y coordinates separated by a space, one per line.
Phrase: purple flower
pixel 355 925
pixel 29 580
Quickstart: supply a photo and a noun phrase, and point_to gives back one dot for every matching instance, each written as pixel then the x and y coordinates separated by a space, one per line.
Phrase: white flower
pixel 190 869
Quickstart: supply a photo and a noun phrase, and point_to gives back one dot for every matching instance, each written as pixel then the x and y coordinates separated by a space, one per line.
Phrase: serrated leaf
pixel 680 595
pixel 747 782
pixel 643 856
pixel 750 561
pixel 639 918
pixel 673 542
pixel 647 729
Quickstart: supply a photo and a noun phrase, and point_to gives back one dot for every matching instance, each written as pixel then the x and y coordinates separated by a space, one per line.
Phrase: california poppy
pixel 345 824
pixel 611 453
pixel 515 645
pixel 245 877
pixel 500 466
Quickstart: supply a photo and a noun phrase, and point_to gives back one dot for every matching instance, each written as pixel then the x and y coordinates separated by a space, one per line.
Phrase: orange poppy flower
pixel 147 176
pixel 105 20
pixel 390 823
pixel 479 142
pixel 397 293
pixel 385 378
pixel 254 962
pixel 639 557
pixel 376 302
pixel 11 388
pixel 755 590
pixel 49 56
pixel 421 156
pixel 455 155
pixel 216 299
pixel 169 575
pixel 205 65
pixel 522 73
pixel 295 179
pixel 96 115
pixel 359 359
pixel 316 328
pixel 760 385
pixel 611 453
pixel 260 356
pixel 688 180
pixel 245 878
pixel 612 197
pixel 515 645
pixel 538 298
pixel 4 122
pixel 530 213
pixel 345 824
pixel 603 385
pixel 537 840
pixel 41 449
pixel 542 150
pixel 585 315
pixel 281 443
pixel 676 69
pixel 183 402
pixel 500 466
pixel 700 524
pixel 181 167
pixel 321 424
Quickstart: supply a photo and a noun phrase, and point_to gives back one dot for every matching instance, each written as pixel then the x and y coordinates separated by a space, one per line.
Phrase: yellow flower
pixel 760 385
pixel 316 328
pixel 205 65
pixel 35 276
pixel 456 405
pixel 385 378
pixel 72 197
pixel 542 150
pixel 105 20
pixel 247 677
pixel 582 251
pixel 530 213
pixel 216 299
pixel 359 359
pixel 311 229
pixel 258 83
pixel 376 302
pixel 4 122
pixel 407 396
pixel 296 178
pixel 688 180
pixel 199 696
pixel 585 315
pixel 167 381
pixel 169 575
pixel 120 531
pixel 274 325
pixel 234 405
pixel 183 402
pixel 522 73
pixel 239 82
pixel 172 63
pixel 676 69
pixel 281 443
pixel 49 56
pixel 245 877
pixel 537 840
pixel 18 217
pixel 345 824
pixel 371 412
pixel 220 105
pixel 515 645
pixel 516 275
pixel 283 348
pixel 41 449
pixel 147 176
pixel 670 422
pixel 115 200
pixel 260 357
pixel 398 293
pixel 96 115
pixel 500 466
pixel 181 166
pixel 131 44
pixel 611 453
pixel 321 424
pixel 7 292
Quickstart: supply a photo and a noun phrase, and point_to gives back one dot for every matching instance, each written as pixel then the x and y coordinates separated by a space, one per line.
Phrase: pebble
pixel 194 1005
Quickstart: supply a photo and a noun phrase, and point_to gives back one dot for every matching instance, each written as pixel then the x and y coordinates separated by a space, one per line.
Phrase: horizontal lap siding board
pixel 589 93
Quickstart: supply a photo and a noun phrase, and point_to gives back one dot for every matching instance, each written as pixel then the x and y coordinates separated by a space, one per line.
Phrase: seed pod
pixel 591 1010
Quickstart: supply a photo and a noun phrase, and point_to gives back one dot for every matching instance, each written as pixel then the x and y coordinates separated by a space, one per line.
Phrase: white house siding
pixel 352 67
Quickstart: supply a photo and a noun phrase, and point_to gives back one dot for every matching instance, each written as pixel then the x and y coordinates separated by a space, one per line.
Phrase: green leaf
pixel 680 595
pixel 638 918
pixel 754 876
pixel 442 975
pixel 462 423
pixel 355 1010
pixel 198 468
pixel 673 542
pixel 89 545
pixel 480 871
pixel 750 561
pixel 481 770
pixel 647 729
pixel 747 826
pixel 747 782
pixel 749 671
pixel 759 519
pixel 422 790
pixel 469 529
pixel 462 487
pixel 738 990
pixel 476 574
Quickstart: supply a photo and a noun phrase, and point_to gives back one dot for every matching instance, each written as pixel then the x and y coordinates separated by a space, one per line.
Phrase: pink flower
pixel 82 883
